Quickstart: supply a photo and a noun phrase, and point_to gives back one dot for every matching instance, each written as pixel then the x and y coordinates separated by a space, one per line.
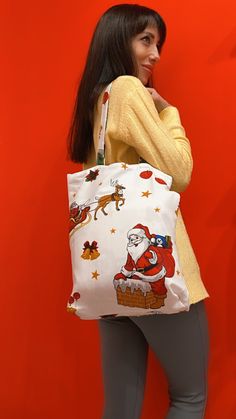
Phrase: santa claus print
pixel 79 215
pixel 149 260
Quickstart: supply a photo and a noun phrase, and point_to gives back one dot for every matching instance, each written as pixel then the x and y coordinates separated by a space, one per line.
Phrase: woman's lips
pixel 149 69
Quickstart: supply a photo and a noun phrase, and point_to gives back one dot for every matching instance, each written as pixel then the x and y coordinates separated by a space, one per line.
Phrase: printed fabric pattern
pixel 122 239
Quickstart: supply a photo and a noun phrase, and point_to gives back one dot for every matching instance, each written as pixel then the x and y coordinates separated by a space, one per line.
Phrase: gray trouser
pixel 180 342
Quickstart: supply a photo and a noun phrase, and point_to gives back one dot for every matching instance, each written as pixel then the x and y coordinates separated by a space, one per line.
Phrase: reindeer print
pixel 116 197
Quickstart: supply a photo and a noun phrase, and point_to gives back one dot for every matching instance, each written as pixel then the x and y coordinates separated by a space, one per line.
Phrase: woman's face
pixel 145 50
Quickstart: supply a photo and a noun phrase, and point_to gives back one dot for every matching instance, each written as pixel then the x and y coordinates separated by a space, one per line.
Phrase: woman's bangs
pixel 150 20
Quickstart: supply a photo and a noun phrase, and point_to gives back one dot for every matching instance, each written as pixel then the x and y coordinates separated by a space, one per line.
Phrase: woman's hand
pixel 159 101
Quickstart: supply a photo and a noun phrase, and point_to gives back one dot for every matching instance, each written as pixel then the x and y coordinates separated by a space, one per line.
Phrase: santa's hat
pixel 141 231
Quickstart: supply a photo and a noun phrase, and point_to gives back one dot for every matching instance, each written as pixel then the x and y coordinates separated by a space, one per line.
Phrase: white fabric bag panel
pixel 122 240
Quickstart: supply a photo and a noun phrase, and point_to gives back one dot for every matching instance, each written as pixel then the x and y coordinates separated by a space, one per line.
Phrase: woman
pixel 126 46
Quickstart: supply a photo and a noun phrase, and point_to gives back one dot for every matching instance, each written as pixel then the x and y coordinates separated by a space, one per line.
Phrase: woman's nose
pixel 155 56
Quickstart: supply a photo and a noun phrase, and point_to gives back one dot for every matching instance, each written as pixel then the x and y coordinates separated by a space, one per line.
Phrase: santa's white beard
pixel 137 251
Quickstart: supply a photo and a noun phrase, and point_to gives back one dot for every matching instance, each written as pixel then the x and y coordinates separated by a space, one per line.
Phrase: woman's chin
pixel 144 80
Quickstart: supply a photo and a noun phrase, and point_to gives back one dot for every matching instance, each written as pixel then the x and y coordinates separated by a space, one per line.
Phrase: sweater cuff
pixel 170 114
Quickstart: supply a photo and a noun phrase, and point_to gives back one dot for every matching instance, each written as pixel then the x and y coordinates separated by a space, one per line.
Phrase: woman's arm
pixel 158 138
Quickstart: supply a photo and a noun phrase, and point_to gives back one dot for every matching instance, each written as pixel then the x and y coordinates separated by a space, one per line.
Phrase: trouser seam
pixel 204 357
pixel 138 377
pixel 136 396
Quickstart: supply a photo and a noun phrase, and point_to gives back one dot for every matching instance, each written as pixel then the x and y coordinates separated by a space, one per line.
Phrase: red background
pixel 51 359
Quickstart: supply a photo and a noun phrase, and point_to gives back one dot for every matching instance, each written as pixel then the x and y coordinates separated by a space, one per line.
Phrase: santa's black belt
pixel 147 268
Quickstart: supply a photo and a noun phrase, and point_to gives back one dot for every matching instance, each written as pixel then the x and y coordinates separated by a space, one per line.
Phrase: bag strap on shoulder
pixel 100 157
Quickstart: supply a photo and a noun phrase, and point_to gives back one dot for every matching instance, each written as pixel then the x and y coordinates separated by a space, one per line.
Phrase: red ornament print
pixel 159 180
pixel 146 174
pixel 105 97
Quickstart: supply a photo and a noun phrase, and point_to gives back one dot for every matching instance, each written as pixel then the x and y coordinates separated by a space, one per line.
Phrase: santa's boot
pixel 159 301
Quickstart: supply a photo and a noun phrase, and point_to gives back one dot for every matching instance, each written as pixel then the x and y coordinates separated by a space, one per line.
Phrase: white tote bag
pixel 122 239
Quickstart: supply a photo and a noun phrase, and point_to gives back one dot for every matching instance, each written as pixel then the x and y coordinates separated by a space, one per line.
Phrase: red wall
pixel 50 359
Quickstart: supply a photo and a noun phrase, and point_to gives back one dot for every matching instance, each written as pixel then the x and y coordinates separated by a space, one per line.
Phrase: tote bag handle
pixel 100 157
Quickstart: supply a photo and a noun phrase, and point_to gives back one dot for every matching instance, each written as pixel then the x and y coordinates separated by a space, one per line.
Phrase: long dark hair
pixel 109 56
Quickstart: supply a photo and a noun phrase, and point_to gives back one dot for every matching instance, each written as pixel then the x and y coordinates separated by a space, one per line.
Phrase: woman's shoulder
pixel 131 80
pixel 127 83
pixel 129 89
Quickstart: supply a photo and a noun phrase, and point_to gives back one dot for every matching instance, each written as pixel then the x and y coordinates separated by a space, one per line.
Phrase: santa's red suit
pixel 152 266
pixel 77 215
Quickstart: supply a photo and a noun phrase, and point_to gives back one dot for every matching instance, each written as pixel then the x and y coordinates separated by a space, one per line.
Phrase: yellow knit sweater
pixel 134 129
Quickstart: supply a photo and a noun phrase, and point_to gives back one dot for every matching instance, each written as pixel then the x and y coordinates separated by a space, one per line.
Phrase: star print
pixel 157 209
pixel 124 166
pixel 113 230
pixel 95 275
pixel 147 193
pixel 92 175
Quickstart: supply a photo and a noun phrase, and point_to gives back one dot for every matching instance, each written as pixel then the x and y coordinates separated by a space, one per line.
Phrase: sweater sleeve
pixel 158 138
